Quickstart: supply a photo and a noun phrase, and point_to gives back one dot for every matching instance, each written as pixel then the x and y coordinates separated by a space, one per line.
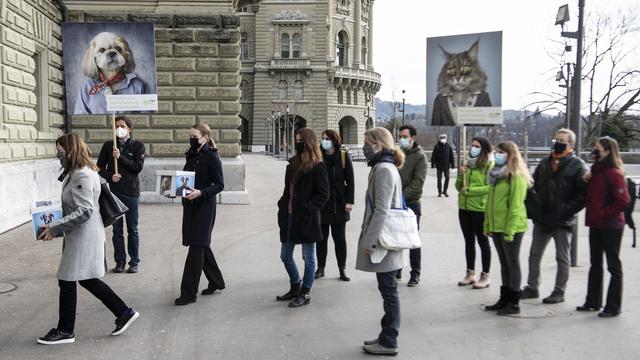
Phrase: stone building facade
pixel 197 58
pixel 312 58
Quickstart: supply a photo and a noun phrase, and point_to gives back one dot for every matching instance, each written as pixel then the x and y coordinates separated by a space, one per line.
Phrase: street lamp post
pixel 402 107
pixel 567 84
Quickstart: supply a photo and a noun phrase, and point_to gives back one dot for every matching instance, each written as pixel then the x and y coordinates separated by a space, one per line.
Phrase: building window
pixel 41 60
pixel 244 46
pixel 298 89
pixel 340 100
pixel 348 96
pixel 282 90
pixel 355 97
pixel 363 52
pixel 243 90
pixel 341 49
pixel 296 40
pixel 284 46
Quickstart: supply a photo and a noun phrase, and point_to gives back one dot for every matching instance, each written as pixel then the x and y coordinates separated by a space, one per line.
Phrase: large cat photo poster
pixel 464 79
pixel 109 68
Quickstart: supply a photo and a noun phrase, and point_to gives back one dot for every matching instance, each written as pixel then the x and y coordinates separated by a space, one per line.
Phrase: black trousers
pixel 444 172
pixel 199 259
pixel 605 242
pixel 509 255
pixel 471 223
pixel 338 232
pixel 68 300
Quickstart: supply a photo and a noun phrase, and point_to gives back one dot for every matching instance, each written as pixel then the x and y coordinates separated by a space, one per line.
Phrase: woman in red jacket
pixel 607 197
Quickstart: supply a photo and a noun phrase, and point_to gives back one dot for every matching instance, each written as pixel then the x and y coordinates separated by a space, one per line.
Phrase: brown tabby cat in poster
pixel 461 83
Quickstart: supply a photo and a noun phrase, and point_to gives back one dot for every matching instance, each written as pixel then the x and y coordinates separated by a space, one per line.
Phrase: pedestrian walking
pixel 413 173
pixel 443 160
pixel 83 258
pixel 125 185
pixel 306 191
pixel 199 215
pixel 561 192
pixel 506 221
pixel 473 187
pixel 607 197
pixel 336 212
pixel 384 191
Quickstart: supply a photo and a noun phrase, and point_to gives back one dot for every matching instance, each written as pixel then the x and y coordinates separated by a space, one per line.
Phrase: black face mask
pixel 299 147
pixel 559 148
pixel 194 143
pixel 595 154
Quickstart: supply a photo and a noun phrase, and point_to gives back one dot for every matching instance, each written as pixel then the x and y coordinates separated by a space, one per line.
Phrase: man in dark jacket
pixel 126 186
pixel 413 174
pixel 561 193
pixel 442 159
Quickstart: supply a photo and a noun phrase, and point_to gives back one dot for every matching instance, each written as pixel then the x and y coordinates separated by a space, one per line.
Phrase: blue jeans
pixel 131 216
pixel 308 254
pixel 391 303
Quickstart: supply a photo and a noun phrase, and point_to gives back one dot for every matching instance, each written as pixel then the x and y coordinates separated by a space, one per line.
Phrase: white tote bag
pixel 400 228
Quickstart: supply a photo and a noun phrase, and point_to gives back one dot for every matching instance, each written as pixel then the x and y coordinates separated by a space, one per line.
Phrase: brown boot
pixel 469 279
pixel 484 281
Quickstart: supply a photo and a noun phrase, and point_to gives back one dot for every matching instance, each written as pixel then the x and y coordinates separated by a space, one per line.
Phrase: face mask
pixel 444 141
pixel 368 152
pixel 405 143
pixel 595 154
pixel 299 147
pixel 475 151
pixel 195 143
pixel 559 148
pixel 122 132
pixel 501 159
pixel 327 144
pixel 60 155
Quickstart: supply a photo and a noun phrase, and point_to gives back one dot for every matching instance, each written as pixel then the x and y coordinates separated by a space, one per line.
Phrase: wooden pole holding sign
pixel 115 143
pixel 464 155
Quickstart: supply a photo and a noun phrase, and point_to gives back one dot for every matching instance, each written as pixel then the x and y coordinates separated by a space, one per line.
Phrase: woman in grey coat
pixel 383 193
pixel 83 257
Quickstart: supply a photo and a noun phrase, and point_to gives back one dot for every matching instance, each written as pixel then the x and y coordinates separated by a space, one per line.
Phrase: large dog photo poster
pixel 109 67
pixel 464 79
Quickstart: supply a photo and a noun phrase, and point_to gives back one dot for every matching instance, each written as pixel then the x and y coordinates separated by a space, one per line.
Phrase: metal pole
pixel 567 123
pixel 402 107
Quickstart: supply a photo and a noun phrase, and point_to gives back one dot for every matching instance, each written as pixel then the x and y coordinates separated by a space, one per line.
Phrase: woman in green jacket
pixel 473 187
pixel 506 221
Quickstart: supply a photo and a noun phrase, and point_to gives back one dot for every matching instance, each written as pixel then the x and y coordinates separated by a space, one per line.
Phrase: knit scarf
pixel 555 158
pixel 105 83
pixel 498 173
pixel 472 163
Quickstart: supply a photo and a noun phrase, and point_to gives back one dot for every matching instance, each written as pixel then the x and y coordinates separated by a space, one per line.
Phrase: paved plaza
pixel 439 319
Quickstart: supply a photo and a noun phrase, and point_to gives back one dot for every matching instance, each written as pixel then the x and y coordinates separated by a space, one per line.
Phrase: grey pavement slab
pixel 439 319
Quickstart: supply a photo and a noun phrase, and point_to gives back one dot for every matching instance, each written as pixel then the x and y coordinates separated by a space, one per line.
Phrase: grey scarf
pixel 498 173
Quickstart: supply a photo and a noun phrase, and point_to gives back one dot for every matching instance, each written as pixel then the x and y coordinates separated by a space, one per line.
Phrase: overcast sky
pixel 402 26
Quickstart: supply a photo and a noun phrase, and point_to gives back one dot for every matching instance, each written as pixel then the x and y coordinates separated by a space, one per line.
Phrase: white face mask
pixel 405 143
pixel 122 132
pixel 444 141
pixel 327 144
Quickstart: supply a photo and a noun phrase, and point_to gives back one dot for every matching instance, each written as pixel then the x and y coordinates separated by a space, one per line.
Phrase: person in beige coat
pixel 83 257
pixel 383 193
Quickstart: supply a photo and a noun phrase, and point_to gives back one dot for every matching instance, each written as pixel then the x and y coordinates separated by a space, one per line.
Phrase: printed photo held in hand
pixel 44 213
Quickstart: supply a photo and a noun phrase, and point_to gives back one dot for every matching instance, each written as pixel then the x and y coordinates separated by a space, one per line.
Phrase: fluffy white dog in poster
pixel 108 67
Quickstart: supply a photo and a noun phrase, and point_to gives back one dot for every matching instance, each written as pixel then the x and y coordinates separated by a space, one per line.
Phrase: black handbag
pixel 111 208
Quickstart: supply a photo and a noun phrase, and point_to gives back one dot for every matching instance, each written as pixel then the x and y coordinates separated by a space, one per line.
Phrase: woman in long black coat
pixel 306 190
pixel 199 214
pixel 335 212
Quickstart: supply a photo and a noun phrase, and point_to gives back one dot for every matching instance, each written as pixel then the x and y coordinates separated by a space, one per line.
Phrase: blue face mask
pixel 501 159
pixel 475 151
pixel 327 144
pixel 405 143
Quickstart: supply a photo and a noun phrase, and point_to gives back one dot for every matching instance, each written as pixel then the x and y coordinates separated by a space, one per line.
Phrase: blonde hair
pixel 76 153
pixel 515 162
pixel 383 138
pixel 205 130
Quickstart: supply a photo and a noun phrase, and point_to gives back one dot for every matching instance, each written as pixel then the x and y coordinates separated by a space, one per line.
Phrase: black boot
pixel 319 273
pixel 292 294
pixel 513 304
pixel 343 275
pixel 302 299
pixel 502 302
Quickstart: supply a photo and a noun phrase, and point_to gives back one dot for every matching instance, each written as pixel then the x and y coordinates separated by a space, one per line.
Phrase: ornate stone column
pixel 370 38
pixel 357 37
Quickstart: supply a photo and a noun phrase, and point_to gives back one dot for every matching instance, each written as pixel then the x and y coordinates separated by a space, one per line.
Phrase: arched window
pixel 341 49
pixel 244 46
pixel 355 96
pixel 348 96
pixel 296 41
pixel 243 90
pixel 363 52
pixel 298 89
pixel 340 100
pixel 282 90
pixel 284 46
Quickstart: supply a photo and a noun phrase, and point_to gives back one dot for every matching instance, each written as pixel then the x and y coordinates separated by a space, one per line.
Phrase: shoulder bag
pixel 111 208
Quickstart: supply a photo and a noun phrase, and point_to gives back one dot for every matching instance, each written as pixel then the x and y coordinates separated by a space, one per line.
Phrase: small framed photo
pixel 44 213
